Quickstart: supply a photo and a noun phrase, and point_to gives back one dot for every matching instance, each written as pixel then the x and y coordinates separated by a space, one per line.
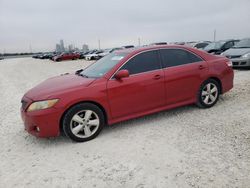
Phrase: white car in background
pixel 199 45
pixel 108 51
pixel 93 56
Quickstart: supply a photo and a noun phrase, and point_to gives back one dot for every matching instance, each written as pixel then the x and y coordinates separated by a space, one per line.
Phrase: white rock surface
pixel 184 147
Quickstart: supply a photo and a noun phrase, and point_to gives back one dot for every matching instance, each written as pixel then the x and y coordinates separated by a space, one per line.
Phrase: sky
pixel 37 25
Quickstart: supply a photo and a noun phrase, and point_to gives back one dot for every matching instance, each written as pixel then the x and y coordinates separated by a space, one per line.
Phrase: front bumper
pixel 42 123
pixel 240 62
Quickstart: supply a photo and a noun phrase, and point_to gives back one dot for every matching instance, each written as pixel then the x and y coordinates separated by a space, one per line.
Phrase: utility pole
pixel 139 41
pixel 99 44
pixel 214 35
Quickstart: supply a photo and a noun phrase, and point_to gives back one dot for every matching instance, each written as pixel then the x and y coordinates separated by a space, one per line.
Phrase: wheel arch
pixel 80 102
pixel 219 82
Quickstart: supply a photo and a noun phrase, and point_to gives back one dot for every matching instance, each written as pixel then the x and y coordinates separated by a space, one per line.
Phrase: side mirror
pixel 121 74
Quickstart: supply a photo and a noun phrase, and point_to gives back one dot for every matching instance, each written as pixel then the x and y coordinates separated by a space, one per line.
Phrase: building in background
pixel 85 48
pixel 58 48
pixel 71 48
pixel 62 45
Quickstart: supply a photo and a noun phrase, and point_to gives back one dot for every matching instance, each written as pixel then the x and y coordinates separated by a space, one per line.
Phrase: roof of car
pixel 145 48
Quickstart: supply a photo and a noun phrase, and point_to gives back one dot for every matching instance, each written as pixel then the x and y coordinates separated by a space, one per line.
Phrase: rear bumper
pixel 42 123
pixel 227 80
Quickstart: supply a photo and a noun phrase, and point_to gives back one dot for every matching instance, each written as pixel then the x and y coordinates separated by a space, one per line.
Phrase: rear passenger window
pixel 144 62
pixel 175 57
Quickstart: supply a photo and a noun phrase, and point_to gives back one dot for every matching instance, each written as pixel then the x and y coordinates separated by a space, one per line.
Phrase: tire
pixel 208 94
pixel 83 122
pixel 58 60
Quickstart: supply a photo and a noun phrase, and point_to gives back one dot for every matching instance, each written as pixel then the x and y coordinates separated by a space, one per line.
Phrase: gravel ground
pixel 184 147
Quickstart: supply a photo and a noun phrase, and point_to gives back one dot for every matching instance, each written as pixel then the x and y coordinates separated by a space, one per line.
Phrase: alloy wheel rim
pixel 84 124
pixel 209 93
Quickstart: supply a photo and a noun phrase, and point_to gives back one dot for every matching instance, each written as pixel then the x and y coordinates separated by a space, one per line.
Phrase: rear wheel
pixel 83 122
pixel 208 94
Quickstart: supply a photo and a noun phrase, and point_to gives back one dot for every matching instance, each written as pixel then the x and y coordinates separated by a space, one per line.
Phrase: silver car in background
pixel 239 54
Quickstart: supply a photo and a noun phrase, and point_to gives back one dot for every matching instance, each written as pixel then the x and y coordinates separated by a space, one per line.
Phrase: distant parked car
pixel 124 85
pixel 1 58
pixel 36 56
pixel 53 55
pixel 93 56
pixel 66 56
pixel 47 56
pixel 201 45
pixel 198 45
pixel 239 54
pixel 108 51
pixel 158 43
pixel 220 46
pixel 179 43
pixel 83 55
pixel 128 46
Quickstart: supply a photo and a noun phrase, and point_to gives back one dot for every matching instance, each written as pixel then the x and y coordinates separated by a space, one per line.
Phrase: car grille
pixel 233 56
pixel 24 104
pixel 235 63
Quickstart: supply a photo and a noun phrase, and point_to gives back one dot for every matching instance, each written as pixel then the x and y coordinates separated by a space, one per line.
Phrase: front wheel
pixel 208 94
pixel 83 122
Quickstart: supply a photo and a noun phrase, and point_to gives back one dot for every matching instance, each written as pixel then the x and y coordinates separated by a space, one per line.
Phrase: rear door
pixel 142 91
pixel 184 73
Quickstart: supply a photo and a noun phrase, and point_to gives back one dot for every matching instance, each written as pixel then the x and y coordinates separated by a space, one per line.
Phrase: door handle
pixel 201 67
pixel 157 77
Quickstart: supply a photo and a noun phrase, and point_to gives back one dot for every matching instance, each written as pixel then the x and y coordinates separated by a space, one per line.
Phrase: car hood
pixel 236 51
pixel 56 85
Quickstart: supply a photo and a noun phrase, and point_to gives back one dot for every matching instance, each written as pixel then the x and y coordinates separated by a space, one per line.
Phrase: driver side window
pixel 144 62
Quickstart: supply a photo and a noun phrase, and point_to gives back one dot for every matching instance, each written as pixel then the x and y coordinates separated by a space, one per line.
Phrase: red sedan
pixel 66 56
pixel 123 85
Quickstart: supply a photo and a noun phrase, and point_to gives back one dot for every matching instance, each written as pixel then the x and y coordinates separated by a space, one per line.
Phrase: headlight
pixel 40 105
pixel 246 55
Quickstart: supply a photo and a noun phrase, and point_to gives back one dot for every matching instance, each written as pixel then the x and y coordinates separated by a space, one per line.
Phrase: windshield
pixel 102 66
pixel 245 43
pixel 214 45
